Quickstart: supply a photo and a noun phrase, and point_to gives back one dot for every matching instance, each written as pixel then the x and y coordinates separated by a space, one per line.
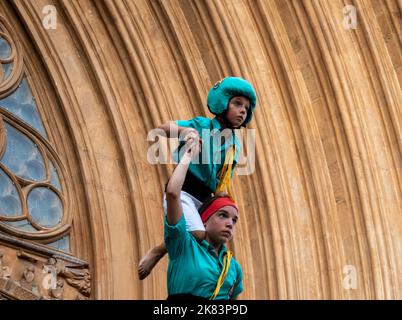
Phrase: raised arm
pixel 173 189
pixel 172 130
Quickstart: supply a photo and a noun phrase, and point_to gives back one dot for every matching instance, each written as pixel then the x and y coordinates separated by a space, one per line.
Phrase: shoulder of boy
pixel 203 120
pixel 200 123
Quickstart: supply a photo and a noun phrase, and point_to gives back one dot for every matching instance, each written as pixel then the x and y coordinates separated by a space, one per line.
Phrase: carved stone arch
pixel 93 157
pixel 326 189
pixel 57 148
pixel 16 57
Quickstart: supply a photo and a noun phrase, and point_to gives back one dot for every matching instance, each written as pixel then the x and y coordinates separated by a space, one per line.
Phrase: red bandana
pixel 215 206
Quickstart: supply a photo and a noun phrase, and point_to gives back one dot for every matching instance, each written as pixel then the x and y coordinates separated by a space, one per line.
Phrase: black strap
pixel 195 187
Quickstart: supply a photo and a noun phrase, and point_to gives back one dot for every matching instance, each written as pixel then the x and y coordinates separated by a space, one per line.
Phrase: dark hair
pixel 207 202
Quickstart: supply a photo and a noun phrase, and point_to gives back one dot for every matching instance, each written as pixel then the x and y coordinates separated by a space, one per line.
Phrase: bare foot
pixel 148 262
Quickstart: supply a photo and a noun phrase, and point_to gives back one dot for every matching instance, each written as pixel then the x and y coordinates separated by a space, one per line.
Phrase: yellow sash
pixel 226 265
pixel 226 173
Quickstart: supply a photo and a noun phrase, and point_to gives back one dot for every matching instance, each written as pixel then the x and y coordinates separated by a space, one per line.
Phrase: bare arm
pixel 173 189
pixel 172 130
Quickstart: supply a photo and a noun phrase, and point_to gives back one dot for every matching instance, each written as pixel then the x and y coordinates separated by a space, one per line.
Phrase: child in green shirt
pixel 232 100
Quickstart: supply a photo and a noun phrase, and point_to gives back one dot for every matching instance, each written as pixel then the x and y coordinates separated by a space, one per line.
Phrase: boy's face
pixel 237 111
pixel 221 225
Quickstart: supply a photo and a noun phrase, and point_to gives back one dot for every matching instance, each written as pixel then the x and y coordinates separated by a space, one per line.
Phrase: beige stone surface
pixel 326 191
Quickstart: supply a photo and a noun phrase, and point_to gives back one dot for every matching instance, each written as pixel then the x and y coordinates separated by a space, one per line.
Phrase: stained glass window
pixel 45 207
pixel 22 225
pixel 22 104
pixel 7 68
pixel 31 193
pixel 10 203
pixel 63 244
pixel 54 177
pixel 22 156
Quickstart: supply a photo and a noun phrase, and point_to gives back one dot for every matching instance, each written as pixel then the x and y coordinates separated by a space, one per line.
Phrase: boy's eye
pixel 240 104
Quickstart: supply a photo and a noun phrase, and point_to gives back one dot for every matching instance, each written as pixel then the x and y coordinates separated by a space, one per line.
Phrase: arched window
pixel 33 203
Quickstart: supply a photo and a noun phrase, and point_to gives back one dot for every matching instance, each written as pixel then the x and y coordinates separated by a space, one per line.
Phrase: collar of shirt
pixel 211 250
pixel 215 124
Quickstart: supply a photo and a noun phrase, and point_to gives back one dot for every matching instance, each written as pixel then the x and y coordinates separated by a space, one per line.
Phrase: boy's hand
pixel 192 148
pixel 190 133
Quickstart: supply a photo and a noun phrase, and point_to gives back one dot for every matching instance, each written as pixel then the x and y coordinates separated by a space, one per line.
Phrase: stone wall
pixel 324 201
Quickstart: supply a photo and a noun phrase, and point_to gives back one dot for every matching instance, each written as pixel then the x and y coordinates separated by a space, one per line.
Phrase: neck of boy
pixel 217 245
pixel 222 122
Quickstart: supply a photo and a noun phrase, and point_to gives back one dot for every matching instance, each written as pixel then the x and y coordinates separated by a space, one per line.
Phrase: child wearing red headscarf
pixel 233 101
pixel 200 269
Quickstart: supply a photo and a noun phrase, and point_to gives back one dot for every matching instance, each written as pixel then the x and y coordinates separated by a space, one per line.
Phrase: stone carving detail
pixel 4 271
pixel 76 277
pixel 14 289
pixel 57 293
pixel 33 271
pixel 80 297
pixel 26 256
pixel 28 277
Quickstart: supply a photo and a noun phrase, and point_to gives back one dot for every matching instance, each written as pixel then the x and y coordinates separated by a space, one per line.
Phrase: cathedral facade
pixel 84 83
